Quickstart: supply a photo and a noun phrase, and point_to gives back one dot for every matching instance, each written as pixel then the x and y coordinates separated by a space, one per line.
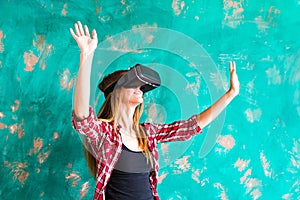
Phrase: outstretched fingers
pixel 234 81
pixel 80 28
pixel 73 34
pixel 81 31
pixel 94 34
pixel 81 34
pixel 232 67
pixel 86 29
pixel 77 30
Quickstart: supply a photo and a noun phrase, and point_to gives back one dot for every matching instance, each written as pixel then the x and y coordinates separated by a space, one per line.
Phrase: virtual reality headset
pixel 138 75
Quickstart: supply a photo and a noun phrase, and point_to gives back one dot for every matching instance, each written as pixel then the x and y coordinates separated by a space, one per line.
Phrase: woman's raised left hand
pixel 234 81
pixel 85 42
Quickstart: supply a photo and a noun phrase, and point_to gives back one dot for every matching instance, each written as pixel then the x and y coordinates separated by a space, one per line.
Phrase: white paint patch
pixel 253 115
pixel 273 76
pixel 194 87
pixel 178 6
pixel 234 13
pixel 241 164
pixel 162 177
pixel 196 175
pixel 287 196
pixel 183 165
pixel 227 142
pixel 222 195
pixel 265 165
pixel 295 157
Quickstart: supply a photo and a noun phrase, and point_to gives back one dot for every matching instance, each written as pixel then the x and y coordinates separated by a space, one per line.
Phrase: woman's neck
pixel 125 118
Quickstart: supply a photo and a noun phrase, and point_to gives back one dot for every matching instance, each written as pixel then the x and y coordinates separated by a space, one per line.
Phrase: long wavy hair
pixel 109 112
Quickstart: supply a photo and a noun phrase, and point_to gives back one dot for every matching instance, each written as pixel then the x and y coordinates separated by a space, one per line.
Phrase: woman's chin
pixel 137 101
pixel 141 101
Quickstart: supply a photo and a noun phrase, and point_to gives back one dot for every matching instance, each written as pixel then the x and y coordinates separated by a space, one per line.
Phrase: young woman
pixel 121 153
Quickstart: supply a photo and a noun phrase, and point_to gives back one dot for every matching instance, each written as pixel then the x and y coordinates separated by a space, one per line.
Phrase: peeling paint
pixel 253 115
pixel 241 164
pixel 274 76
pixel 1 41
pixel 227 142
pixel 196 175
pixel 18 171
pixel 178 6
pixel 3 126
pixel 84 189
pixel 64 10
pixel 66 81
pixel 15 107
pixel 162 177
pixel 234 13
pixel 265 164
pixel 55 135
pixel 42 157
pixel 74 178
pixel 183 164
pixel 222 195
pixel 29 60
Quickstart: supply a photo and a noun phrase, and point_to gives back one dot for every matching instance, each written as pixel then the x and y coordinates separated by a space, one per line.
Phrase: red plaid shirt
pixel 106 144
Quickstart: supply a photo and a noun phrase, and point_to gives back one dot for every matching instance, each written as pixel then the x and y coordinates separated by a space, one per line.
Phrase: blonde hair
pixel 109 112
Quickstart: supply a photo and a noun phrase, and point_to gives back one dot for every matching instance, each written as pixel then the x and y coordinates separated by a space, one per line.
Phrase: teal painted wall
pixel 257 152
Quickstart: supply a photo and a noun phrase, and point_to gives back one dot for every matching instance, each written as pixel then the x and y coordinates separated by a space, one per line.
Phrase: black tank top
pixel 130 178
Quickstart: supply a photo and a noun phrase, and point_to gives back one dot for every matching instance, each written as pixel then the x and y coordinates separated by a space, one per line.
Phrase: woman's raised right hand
pixel 85 42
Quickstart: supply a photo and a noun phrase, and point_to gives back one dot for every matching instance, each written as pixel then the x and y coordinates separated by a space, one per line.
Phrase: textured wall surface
pixel 257 152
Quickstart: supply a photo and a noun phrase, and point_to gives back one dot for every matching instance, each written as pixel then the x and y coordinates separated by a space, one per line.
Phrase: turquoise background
pixel 257 153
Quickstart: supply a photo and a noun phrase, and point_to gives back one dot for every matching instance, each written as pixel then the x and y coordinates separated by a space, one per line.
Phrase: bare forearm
pixel 82 90
pixel 207 116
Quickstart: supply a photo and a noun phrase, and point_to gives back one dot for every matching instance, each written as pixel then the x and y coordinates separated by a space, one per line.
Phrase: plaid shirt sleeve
pixel 94 129
pixel 176 131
